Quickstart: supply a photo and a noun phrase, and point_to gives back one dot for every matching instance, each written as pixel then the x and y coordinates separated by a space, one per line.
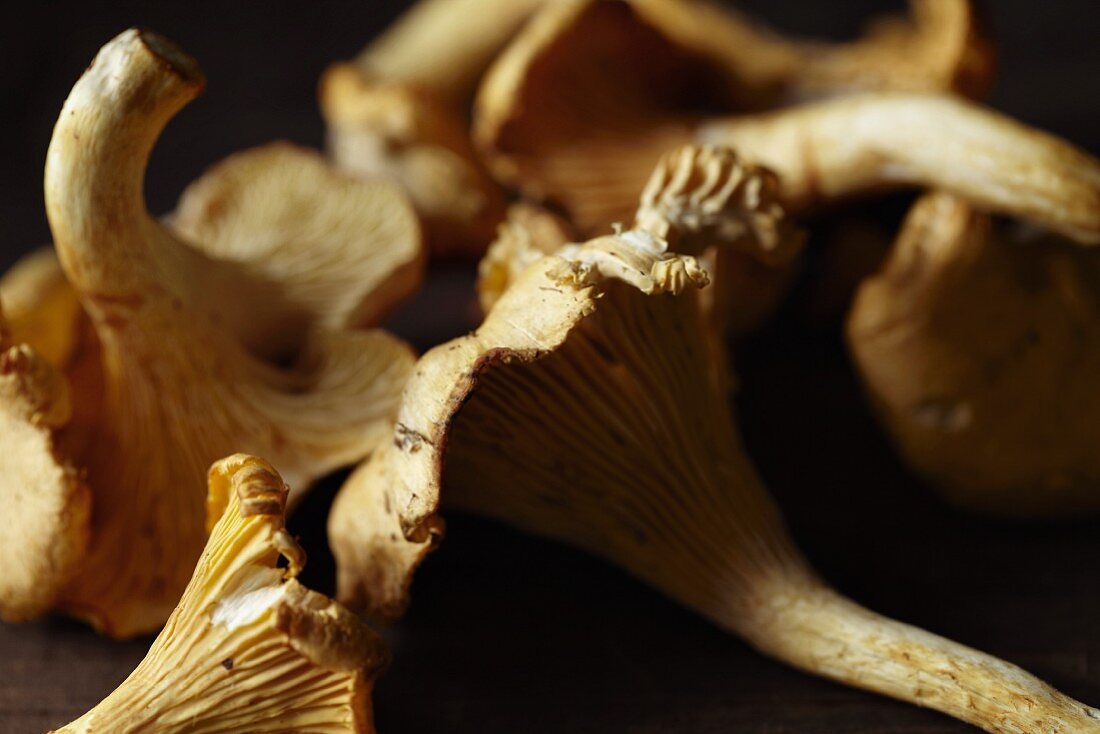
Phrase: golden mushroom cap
pixel 344 251
pixel 248 648
pixel 978 344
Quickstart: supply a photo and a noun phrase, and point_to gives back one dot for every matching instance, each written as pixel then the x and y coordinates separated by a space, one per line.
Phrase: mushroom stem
pixel 858 144
pixel 116 256
pixel 801 621
pixel 444 45
pixel 95 167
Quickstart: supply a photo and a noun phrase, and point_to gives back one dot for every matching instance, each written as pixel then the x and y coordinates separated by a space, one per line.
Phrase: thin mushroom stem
pixel 444 45
pixel 852 146
pixel 803 622
pixel 114 253
pixel 95 168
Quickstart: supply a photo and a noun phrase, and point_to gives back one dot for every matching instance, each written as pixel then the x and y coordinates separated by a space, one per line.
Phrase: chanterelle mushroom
pixel 344 251
pixel 590 407
pixel 248 649
pixel 182 339
pixel 586 98
pixel 400 111
pixel 979 345
pixel 581 105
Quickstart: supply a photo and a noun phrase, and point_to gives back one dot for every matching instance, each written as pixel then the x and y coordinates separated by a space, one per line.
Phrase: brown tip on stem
pixel 178 61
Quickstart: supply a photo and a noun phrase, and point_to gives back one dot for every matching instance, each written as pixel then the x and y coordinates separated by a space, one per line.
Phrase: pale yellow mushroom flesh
pixel 176 382
pixel 580 106
pixel 588 97
pixel 248 648
pixel 979 346
pixel 590 407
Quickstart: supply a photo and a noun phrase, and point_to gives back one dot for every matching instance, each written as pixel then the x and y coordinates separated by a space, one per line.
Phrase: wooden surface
pixel 509 633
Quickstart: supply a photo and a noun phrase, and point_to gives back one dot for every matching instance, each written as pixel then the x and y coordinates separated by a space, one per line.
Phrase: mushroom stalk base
pixel 801 621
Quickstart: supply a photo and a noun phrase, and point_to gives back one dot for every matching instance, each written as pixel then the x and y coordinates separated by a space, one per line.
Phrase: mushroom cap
pixel 198 350
pixel 378 129
pixel 387 509
pixel 248 647
pixel 979 345
pixel 344 251
pixel 41 308
pixel 581 105
pixel 46 495
pixel 706 200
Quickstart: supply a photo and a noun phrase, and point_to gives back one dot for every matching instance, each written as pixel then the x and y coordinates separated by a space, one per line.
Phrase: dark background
pixel 512 634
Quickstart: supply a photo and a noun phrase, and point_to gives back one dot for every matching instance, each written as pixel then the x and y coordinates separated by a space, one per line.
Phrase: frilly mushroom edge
pixel 248 648
pixel 590 407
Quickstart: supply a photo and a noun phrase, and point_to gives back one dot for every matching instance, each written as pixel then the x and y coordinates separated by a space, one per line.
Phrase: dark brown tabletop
pixel 508 633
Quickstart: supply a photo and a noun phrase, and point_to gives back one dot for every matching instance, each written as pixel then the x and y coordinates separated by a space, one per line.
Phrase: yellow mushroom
pixel 979 345
pixel 248 648
pixel 588 97
pixel 197 353
pixel 345 252
pixel 582 103
pixel 399 111
pixel 590 407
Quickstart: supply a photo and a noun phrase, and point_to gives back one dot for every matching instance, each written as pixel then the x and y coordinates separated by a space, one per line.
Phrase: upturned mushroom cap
pixel 979 345
pixel 387 508
pixel 248 648
pixel 580 106
pixel 590 407
pixel 180 373
pixel 344 251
